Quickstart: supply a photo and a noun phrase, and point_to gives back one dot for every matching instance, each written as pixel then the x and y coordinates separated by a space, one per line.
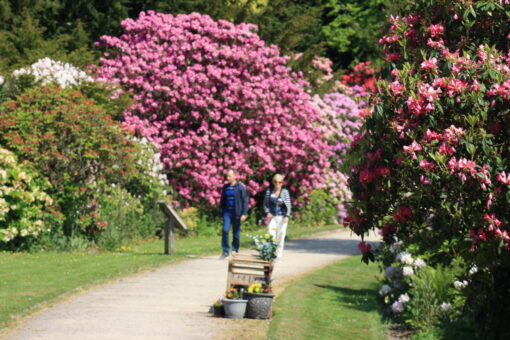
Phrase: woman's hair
pixel 278 176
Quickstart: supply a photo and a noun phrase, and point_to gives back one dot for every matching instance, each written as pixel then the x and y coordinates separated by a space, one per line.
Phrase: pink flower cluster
pixel 212 97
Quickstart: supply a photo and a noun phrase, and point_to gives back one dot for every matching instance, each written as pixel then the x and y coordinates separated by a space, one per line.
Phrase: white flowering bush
pixel 417 294
pixel 46 71
pixel 25 209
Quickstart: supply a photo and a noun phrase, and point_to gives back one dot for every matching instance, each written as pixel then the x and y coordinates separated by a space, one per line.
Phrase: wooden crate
pixel 243 269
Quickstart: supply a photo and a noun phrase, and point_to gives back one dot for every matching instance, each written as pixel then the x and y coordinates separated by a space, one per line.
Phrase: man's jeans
pixel 228 220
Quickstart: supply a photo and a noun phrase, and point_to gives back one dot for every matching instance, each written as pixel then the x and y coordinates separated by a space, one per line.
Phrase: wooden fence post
pixel 172 220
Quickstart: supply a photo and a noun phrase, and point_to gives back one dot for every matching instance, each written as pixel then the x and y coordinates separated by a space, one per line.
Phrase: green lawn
pixel 29 280
pixel 336 302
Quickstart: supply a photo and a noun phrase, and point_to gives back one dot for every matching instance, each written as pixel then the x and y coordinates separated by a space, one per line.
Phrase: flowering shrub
pixel 46 71
pixel 73 143
pixel 26 210
pixel 341 121
pixel 362 75
pixel 415 293
pixel 431 163
pixel 212 96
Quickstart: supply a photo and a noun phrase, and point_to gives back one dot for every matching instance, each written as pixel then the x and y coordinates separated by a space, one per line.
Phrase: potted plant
pixel 260 301
pixel 266 246
pixel 235 307
pixel 218 308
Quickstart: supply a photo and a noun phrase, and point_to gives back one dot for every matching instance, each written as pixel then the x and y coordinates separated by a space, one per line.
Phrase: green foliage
pixel 351 34
pixel 317 210
pixel 430 288
pixel 125 217
pixel 65 30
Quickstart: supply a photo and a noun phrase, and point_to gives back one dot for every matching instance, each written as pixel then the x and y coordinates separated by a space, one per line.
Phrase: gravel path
pixel 171 302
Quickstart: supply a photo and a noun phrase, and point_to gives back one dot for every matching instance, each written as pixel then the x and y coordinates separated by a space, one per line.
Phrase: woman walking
pixel 277 207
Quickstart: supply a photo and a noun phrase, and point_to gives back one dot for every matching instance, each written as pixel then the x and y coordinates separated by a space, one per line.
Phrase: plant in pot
pixel 218 308
pixel 235 307
pixel 260 301
pixel 266 246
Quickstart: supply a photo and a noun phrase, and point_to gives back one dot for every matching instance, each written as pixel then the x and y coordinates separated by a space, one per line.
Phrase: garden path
pixel 172 302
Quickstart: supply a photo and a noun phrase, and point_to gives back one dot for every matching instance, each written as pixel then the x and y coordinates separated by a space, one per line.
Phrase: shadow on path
pixel 324 246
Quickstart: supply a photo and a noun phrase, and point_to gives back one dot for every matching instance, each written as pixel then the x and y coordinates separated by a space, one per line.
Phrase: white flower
pixel 397 307
pixel 473 270
pixel 385 290
pixel 460 284
pixel 2 79
pixel 445 306
pixel 403 298
pixel 405 257
pixel 419 263
pixel 407 271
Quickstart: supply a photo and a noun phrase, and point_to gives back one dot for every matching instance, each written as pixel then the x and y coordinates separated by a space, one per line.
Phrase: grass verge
pixel 335 302
pixel 29 281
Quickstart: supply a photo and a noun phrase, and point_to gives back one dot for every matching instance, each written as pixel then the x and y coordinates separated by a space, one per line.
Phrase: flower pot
pixel 218 310
pixel 259 305
pixel 234 309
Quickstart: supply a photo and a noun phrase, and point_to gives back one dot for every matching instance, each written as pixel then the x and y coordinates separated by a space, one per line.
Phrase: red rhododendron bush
pixel 432 163
pixel 212 96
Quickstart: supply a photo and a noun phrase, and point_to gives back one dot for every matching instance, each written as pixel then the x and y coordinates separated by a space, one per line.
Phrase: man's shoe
pixel 223 256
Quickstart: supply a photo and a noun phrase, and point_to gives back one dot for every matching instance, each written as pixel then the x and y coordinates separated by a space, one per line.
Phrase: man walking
pixel 233 208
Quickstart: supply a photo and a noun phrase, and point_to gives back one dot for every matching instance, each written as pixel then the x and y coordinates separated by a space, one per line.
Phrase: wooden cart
pixel 243 269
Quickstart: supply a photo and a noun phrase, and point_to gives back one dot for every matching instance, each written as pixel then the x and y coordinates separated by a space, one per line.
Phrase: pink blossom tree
pixel 212 96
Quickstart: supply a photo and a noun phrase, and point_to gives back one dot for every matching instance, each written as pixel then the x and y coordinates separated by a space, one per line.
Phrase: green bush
pixel 317 210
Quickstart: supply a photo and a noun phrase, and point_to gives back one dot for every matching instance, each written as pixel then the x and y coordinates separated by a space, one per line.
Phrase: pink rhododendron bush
pixel 212 96
pixel 341 119
pixel 432 163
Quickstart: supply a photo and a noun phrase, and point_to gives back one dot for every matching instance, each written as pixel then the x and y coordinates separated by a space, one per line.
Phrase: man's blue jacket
pixel 240 199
